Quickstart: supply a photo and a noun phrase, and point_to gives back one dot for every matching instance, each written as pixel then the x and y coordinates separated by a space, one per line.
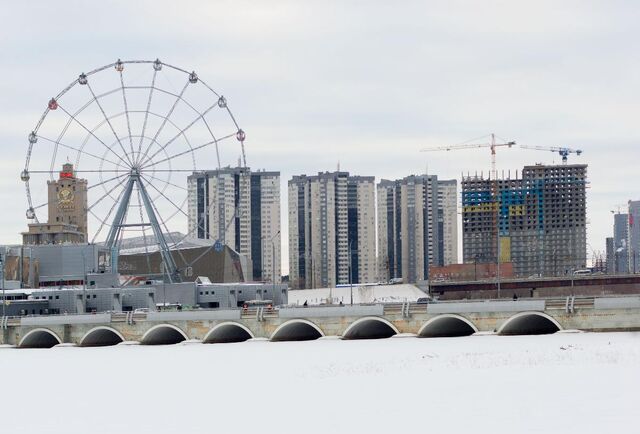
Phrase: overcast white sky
pixel 362 82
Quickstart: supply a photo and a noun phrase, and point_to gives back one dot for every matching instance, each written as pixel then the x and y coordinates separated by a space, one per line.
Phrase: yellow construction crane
pixel 491 145
pixel 564 152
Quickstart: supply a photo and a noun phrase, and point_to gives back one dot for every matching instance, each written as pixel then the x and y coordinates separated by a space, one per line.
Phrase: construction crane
pixel 564 152
pixel 491 145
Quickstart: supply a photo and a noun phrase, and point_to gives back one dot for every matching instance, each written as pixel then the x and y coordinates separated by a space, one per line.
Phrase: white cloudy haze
pixel 360 82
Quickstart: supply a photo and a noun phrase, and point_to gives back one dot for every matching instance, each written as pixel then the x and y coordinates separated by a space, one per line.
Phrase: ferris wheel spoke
pixel 80 150
pixel 188 151
pixel 126 112
pixel 168 233
pixel 106 181
pixel 146 113
pixel 103 222
pixel 106 118
pixel 236 213
pixel 165 196
pixel 107 194
pixel 164 122
pixel 80 171
pixel 94 136
pixel 188 104
pixel 182 131
pixel 166 182
pixel 40 206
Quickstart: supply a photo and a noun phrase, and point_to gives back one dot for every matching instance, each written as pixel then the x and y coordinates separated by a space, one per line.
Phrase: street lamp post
pixel 498 262
pixel 475 267
pixel 273 266
pixel 350 275
pixel 164 286
pixel 84 282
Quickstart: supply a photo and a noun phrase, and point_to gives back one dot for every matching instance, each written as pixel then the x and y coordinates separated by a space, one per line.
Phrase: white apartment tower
pixel 240 209
pixel 331 230
pixel 448 202
pixel 417 226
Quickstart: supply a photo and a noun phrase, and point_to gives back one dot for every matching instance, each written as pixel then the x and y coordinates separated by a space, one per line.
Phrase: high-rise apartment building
pixel 634 236
pixel 448 202
pixel 241 209
pixel 331 230
pixel 621 243
pixel 540 220
pixel 417 226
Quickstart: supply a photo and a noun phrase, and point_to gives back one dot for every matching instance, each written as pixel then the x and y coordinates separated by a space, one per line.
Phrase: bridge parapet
pixel 349 322
pixel 332 311
pixel 617 303
pixel 487 306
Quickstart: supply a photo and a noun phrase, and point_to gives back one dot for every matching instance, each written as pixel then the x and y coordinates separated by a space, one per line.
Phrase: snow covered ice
pixel 566 382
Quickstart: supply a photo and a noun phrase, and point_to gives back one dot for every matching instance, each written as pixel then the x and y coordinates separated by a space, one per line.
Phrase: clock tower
pixel 67 222
pixel 68 200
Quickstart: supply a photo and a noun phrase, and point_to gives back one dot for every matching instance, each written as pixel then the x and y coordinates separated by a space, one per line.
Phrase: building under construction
pixel 540 220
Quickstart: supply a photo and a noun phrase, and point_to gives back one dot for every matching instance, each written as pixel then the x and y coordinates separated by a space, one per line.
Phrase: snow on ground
pixel 361 294
pixel 567 382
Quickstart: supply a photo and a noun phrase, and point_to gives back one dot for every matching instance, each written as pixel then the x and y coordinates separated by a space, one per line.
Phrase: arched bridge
pixel 447 319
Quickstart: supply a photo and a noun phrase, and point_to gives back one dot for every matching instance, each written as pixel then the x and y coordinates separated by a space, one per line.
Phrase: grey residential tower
pixel 331 230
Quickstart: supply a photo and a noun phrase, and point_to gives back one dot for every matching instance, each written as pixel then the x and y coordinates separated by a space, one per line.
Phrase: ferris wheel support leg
pixel 171 268
pixel 118 220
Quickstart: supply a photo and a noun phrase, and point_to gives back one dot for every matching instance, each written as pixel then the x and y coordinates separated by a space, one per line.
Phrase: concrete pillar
pixel 151 302
pixel 117 303
pixel 66 333
pixel 79 303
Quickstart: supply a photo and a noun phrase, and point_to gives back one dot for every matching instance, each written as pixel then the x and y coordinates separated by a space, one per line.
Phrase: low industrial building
pixel 152 295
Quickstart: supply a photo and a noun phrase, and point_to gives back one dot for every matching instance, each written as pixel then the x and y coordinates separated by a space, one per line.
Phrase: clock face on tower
pixel 65 196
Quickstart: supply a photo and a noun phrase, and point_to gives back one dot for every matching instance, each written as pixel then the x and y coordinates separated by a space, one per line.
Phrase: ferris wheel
pixel 134 130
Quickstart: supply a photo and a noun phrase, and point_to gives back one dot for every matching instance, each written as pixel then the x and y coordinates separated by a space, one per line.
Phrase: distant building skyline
pixel 623 248
pixel 305 102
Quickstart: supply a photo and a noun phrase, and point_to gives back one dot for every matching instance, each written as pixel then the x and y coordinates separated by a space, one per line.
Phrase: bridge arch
pixel 447 325
pixel 163 334
pixel 227 332
pixel 370 327
pixel 39 338
pixel 529 323
pixel 101 336
pixel 297 330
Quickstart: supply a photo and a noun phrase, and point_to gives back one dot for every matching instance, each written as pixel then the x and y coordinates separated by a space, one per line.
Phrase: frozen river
pixel 567 382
